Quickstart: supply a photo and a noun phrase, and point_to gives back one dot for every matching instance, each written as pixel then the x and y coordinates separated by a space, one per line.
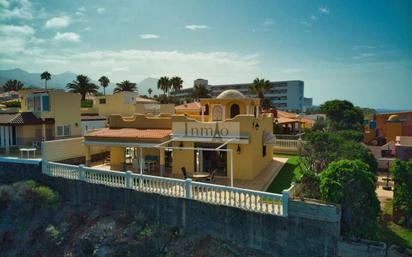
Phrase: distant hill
pixel 147 83
pixel 61 80
pixel 33 79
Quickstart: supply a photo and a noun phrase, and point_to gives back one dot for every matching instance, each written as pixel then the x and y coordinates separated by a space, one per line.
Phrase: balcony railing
pixel 250 200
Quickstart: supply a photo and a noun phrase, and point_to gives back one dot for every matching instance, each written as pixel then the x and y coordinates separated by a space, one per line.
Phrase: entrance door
pixel 211 160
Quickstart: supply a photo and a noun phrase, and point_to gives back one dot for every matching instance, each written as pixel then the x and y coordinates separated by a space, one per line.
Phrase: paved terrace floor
pixel 259 183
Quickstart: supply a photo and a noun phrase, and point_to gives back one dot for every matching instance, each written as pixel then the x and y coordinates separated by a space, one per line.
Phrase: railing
pixel 262 202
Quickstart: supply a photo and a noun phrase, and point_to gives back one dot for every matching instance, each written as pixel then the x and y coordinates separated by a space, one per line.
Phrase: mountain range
pixel 60 80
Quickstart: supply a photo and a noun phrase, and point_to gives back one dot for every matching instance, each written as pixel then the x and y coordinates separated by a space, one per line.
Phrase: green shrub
pixel 87 104
pixel 352 135
pixel 12 103
pixel 352 185
pixel 402 174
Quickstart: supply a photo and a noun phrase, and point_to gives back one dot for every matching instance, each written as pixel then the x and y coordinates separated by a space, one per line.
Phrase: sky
pixel 355 50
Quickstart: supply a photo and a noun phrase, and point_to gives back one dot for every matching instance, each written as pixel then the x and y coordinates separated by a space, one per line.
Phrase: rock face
pixel 34 221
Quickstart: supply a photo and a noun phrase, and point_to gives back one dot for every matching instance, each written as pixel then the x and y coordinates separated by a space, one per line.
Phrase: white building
pixel 285 95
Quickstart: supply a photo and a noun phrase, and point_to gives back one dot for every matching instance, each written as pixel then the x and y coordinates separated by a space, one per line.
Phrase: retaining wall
pixel 300 234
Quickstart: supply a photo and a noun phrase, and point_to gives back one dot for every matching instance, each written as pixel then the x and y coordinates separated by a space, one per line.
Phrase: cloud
pixel 87 29
pixel 268 22
pixel 67 37
pixel 324 9
pixel 16 9
pixel 4 3
pixel 313 17
pixel 306 23
pixel 363 56
pixel 14 29
pixel 148 36
pixel 101 10
pixel 120 69
pixel 196 27
pixel 361 47
pixel 82 9
pixel 58 22
pixel 15 38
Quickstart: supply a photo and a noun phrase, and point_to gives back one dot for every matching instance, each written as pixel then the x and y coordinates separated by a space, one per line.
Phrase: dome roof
pixel 230 94
pixel 394 117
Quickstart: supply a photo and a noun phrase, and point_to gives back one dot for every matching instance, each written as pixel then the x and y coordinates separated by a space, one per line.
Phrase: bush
pixel 351 150
pixel 352 135
pixel 352 185
pixel 402 174
pixel 12 103
pixel 87 104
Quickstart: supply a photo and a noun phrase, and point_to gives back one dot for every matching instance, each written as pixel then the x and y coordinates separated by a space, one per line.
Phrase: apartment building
pixel 285 95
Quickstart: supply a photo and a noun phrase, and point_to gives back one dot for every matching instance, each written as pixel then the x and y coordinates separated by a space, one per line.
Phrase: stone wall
pixel 301 234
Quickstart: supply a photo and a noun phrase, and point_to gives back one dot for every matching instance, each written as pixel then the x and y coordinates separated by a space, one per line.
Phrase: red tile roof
pixel 129 133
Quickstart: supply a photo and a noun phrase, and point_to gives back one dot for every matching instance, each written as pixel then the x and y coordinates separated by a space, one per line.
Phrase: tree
pixel 82 86
pixel 13 85
pixel 352 150
pixel 320 149
pixel 46 76
pixel 402 175
pixel 164 84
pixel 200 91
pixel 176 83
pixel 150 91
pixel 125 86
pixel 350 184
pixel 104 82
pixel 342 114
pixel 259 87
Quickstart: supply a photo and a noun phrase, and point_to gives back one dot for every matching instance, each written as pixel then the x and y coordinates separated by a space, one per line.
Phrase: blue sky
pixel 355 50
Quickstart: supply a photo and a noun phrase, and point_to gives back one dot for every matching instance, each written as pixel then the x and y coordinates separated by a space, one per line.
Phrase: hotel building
pixel 285 95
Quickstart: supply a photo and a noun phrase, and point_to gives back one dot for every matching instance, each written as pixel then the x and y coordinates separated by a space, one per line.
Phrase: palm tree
pixel 125 86
pixel 164 84
pixel 104 82
pixel 46 76
pixel 200 91
pixel 13 85
pixel 150 91
pixel 82 86
pixel 259 87
pixel 176 83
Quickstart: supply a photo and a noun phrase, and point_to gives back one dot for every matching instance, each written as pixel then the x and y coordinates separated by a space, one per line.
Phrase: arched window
pixel 234 110
pixel 206 109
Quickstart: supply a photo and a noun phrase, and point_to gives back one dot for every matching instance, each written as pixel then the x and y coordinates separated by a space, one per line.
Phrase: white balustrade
pixel 257 201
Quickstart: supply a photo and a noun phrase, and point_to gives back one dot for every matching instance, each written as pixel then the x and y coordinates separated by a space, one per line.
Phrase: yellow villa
pixel 228 139
pixel 43 115
pixel 128 103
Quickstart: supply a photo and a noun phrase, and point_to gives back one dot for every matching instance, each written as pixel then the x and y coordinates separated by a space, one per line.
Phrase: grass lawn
pixel 285 177
pixel 392 233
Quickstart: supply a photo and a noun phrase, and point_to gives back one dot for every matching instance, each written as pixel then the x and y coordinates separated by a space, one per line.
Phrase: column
pixel 88 156
pixel 7 139
pixel 3 143
pixel 43 132
pixel 247 109
pixel 122 158
pixel 162 161
pixel 201 160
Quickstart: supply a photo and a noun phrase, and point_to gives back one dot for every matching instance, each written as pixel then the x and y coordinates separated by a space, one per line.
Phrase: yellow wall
pixel 64 109
pixel 116 104
pixel 117 155
pixel 57 150
pixel 393 129
pixel 140 121
pixel 183 158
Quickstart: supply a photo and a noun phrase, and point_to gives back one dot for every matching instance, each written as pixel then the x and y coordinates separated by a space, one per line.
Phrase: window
pixel 63 131
pixel 263 150
pixel 102 101
pixel 45 103
pixel 234 110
